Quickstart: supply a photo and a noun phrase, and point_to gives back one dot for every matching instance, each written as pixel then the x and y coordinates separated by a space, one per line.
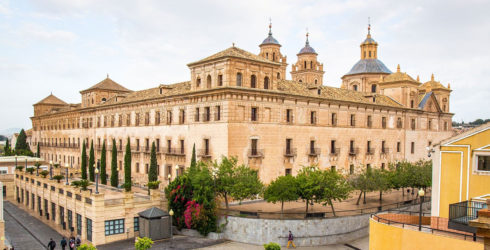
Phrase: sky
pixel 64 46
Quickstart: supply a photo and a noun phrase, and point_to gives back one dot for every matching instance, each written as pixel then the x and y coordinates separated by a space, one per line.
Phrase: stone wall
pixel 307 232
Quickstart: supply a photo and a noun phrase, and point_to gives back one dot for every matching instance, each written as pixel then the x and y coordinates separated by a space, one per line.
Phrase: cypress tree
pixel 91 162
pixel 127 167
pixel 193 157
pixel 103 161
pixel 7 148
pixel 38 153
pixel 152 174
pixel 84 161
pixel 114 174
pixel 21 143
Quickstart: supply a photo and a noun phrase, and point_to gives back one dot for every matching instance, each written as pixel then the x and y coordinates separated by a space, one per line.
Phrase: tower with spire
pixel 307 69
pixel 270 49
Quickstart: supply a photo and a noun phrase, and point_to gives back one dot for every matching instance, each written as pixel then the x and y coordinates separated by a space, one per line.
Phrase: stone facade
pixel 239 104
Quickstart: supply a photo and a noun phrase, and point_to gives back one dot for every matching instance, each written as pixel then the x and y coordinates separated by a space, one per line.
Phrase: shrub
pixel 30 170
pixel 58 178
pixel 20 168
pixel 44 173
pixel 127 186
pixel 153 184
pixel 272 246
pixel 143 243
pixel 86 247
pixel 82 184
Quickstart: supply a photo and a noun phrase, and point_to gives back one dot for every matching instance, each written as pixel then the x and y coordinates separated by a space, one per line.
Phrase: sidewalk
pixel 25 231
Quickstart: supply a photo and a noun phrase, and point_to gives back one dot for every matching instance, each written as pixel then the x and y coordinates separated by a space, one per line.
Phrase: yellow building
pixel 460 189
pixel 460 178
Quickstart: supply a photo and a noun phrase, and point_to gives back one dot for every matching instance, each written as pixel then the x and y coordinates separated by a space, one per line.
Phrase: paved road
pixel 25 231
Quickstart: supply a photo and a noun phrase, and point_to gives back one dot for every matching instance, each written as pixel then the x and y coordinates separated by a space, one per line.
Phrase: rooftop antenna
pixel 270 26
pixel 369 25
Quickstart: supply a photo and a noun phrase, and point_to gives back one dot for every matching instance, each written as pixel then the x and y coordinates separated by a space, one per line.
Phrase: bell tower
pixel 270 49
pixel 307 69
pixel 369 48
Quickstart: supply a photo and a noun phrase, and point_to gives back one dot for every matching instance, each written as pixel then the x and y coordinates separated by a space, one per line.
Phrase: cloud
pixel 39 32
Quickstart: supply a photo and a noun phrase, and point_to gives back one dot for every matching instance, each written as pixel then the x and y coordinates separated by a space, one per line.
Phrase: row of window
pixel 239 81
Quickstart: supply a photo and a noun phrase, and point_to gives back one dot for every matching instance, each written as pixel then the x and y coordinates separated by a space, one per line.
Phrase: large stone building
pixel 237 103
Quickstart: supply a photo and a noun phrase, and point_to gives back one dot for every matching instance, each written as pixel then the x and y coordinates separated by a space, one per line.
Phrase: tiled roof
pixel 307 49
pixel 51 99
pixel 398 77
pixel 107 84
pixel 432 84
pixel 234 52
pixel 368 66
pixel 270 40
pixel 153 213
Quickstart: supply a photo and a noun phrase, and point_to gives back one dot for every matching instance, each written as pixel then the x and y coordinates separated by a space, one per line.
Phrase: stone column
pixel 483 225
pixel 98 229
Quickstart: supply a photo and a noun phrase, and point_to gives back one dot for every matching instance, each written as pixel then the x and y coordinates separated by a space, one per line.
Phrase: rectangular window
pixel 157 117
pixel 353 120
pixel 429 124
pixel 217 114
pixel 383 122
pixel 412 124
pixel 412 148
pixel 333 150
pixel 289 115
pixel 147 144
pixel 254 146
pixel 147 118
pixel 383 147
pixel 137 167
pixel 169 117
pixel 312 147
pixel 399 123
pixel 137 144
pixel 312 117
pixel 369 150
pixel 181 116
pixel 369 121
pixel 136 224
pixel 62 216
pixel 334 119
pixel 206 146
pixel 115 226
pixel 157 146
pixel 168 173
pixel 253 116
pixel 196 117
pixel 351 169
pixel 483 162
pixel 169 146
pixel 288 146
pixel 146 168
pixel 70 220
pixel 333 168
pixel 53 211
pixel 207 114
pixel 120 145
pixel 351 147
pixel 79 224
pixel 383 166
pixel 89 229
pixel 182 147
pixel 128 119
pixel 220 80
pixel 368 167
pixel 398 147
pixel 288 171
pixel 137 119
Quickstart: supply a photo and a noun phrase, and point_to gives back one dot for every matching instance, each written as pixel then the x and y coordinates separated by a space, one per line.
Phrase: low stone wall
pixel 307 232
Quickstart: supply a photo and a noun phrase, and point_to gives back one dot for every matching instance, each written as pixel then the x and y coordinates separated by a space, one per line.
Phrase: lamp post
pixel 66 174
pixel 421 194
pixel 169 177
pixel 50 170
pixel 171 213
pixel 97 178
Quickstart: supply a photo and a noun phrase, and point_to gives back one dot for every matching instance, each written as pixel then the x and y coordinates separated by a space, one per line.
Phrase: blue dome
pixel 270 40
pixel 369 66
pixel 307 49
pixel 369 40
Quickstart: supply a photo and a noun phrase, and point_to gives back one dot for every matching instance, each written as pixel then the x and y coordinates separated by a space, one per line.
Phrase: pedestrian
pixel 63 243
pixel 71 243
pixel 78 242
pixel 51 244
pixel 290 240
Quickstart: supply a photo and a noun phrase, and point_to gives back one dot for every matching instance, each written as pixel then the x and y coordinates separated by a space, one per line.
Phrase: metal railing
pixel 370 151
pixel 173 151
pixel 289 152
pixel 462 212
pixel 313 151
pixel 353 151
pixel 334 151
pixel 255 153
pixel 385 151
pixel 204 153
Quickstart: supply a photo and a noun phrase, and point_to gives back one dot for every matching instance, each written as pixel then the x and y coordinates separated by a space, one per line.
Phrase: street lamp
pixel 421 194
pixel 171 213
pixel 50 170
pixel 97 178
pixel 66 167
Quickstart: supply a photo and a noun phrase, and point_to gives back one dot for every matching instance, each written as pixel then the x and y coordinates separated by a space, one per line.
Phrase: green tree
pixel 7 148
pixel 334 187
pixel 143 243
pixel 381 181
pixel 103 163
pixel 91 162
pixel 224 176
pixel 193 157
pixel 284 188
pixel 84 161
pixel 309 183
pixel 247 184
pixel 127 167
pixel 114 174
pixel 21 143
pixel 362 182
pixel 152 173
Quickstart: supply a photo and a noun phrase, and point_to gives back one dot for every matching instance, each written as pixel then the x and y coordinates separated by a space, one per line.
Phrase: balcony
pixel 370 151
pixel 385 151
pixel 206 117
pixel 313 152
pixel 462 212
pixel 334 151
pixel 255 153
pixel 204 153
pixel 173 151
pixel 290 152
pixel 353 151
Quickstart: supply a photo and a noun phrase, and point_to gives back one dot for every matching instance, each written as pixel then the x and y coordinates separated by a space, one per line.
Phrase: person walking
pixel 290 240
pixel 51 244
pixel 78 242
pixel 63 243
pixel 71 243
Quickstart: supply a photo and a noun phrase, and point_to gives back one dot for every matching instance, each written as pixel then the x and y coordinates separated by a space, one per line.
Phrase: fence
pixel 326 214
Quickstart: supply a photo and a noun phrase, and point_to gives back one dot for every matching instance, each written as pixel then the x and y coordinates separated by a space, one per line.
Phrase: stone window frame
pixel 475 163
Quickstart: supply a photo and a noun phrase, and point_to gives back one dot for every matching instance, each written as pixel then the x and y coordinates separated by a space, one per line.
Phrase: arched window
pixel 198 82
pixel 444 108
pixel 354 87
pixel 311 64
pixel 103 99
pixel 220 80
pixel 266 82
pixel 267 55
pixel 208 82
pixel 369 54
pixel 300 80
pixel 278 76
pixel 305 65
pixel 238 79
pixel 274 56
pixel 253 81
pixel 316 81
pixel 364 54
pixel 373 88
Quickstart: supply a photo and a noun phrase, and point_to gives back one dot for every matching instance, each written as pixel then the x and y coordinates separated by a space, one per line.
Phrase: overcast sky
pixel 63 46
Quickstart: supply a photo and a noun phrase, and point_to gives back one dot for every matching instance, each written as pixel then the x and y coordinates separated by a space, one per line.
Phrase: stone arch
pixel 266 82
pixel 253 81
pixel 208 82
pixel 238 79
